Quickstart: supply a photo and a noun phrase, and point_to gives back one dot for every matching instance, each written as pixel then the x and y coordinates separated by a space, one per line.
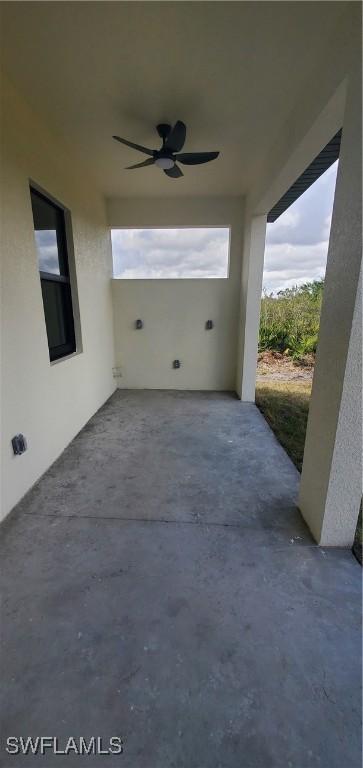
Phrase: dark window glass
pixel 50 238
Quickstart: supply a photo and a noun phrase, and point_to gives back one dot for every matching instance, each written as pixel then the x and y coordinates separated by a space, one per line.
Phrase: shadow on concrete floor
pixel 160 584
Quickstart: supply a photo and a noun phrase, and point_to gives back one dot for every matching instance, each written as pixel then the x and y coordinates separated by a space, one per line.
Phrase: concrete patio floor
pixel 161 585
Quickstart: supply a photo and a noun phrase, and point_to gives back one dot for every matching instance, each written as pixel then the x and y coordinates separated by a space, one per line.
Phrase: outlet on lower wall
pixel 117 372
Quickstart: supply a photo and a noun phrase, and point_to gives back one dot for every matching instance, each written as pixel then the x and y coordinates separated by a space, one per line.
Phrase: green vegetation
pixel 290 325
pixel 285 406
pixel 290 321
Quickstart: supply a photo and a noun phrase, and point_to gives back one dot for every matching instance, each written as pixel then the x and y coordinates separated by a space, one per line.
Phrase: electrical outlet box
pixel 19 444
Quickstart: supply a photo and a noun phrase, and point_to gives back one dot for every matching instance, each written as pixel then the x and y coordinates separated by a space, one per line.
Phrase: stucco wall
pixel 174 312
pixel 331 481
pixel 316 115
pixel 48 403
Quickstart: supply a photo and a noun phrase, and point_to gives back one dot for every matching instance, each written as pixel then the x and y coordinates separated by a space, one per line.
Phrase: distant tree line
pixel 290 320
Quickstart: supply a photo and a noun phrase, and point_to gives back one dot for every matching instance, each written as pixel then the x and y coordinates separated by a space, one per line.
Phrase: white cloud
pixel 290 264
pixel 170 253
pixel 297 243
pixel 46 241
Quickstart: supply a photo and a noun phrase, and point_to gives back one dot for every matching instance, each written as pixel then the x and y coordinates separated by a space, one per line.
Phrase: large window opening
pixel 195 252
pixel 293 286
pixel 51 243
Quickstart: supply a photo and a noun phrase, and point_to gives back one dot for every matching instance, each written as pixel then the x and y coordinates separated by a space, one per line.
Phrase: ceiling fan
pixel 165 158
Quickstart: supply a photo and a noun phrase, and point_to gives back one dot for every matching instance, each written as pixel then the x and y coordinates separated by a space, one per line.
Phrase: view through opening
pixel 195 252
pixel 293 285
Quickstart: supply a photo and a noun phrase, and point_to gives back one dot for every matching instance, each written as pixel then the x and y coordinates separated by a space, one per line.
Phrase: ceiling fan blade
pixel 196 158
pixel 134 146
pixel 176 138
pixel 174 172
pixel 150 161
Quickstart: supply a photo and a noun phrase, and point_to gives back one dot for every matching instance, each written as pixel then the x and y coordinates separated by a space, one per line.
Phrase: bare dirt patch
pixel 274 366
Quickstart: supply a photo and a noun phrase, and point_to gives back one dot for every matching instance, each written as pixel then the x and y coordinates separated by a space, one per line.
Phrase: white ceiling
pixel 230 70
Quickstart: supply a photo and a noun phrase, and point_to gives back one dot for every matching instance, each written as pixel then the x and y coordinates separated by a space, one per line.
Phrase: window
pixel 51 242
pixel 188 252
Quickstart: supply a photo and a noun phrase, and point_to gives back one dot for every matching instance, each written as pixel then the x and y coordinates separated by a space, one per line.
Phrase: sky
pixel 296 245
pixel 166 253
pixel 297 242
pixel 46 240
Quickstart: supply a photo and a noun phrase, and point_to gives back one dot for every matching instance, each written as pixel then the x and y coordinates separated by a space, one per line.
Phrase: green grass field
pixel 285 406
pixel 288 336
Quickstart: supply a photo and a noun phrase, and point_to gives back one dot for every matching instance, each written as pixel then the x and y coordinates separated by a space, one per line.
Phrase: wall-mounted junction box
pixel 19 444
pixel 116 372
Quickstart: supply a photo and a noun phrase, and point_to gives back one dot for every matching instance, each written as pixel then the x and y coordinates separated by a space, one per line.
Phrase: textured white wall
pixel 48 403
pixel 250 305
pixel 175 311
pixel 331 482
pixel 345 483
pixel 316 115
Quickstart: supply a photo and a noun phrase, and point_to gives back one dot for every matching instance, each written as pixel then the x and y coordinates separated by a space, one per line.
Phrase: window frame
pixel 69 347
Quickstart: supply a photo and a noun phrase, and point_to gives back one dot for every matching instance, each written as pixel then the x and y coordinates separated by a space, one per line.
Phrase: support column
pixel 331 482
pixel 251 289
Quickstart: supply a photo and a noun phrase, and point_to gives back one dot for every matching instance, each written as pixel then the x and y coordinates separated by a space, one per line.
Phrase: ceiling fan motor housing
pixel 169 155
pixel 163 130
